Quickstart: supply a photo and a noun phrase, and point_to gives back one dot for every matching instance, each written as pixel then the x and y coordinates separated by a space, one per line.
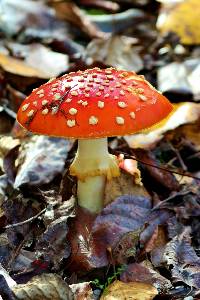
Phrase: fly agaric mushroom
pixel 90 106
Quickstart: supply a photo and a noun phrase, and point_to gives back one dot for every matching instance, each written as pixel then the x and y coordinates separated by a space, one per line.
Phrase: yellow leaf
pixel 119 290
pixel 183 19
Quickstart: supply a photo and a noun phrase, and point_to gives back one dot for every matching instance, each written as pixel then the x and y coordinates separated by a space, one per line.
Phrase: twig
pixel 184 167
pixel 25 221
pixel 158 167
pixel 160 205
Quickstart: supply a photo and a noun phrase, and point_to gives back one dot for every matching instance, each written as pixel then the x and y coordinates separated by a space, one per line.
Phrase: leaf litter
pixel 145 243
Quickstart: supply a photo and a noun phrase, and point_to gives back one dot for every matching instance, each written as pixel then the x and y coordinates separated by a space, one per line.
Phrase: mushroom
pixel 90 106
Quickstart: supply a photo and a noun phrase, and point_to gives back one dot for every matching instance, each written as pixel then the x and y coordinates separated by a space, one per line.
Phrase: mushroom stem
pixel 93 165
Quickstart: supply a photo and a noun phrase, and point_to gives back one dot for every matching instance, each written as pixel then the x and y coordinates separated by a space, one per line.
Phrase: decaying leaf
pixel 179 80
pixel 15 66
pixel 181 17
pixel 53 243
pixel 123 185
pixel 181 256
pixel 44 159
pixel 132 290
pixel 31 18
pixel 6 144
pixel 44 287
pixel 144 273
pixel 69 11
pixel 183 113
pixel 82 291
pixel 117 51
pixel 39 61
pixel 119 225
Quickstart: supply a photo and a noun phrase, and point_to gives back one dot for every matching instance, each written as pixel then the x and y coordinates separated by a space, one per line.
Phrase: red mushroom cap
pixel 92 104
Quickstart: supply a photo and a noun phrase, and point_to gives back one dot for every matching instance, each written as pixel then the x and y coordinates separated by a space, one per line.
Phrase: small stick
pixel 26 221
pixel 158 167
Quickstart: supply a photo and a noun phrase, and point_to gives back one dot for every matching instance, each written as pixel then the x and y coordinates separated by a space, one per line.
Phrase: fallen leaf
pixel 119 225
pixel 82 291
pixel 52 244
pixel 156 178
pixel 117 51
pixel 123 185
pixel 70 12
pixel 183 113
pixel 39 61
pixel 31 19
pixel 179 80
pixel 183 260
pixel 44 159
pixel 181 17
pixel 158 246
pixel 18 209
pixel 6 144
pixel 43 287
pixel 18 67
pixel 145 274
pixel 132 290
pixel 10 282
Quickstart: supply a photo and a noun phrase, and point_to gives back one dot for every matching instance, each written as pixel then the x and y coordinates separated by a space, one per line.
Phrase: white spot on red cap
pixel 140 90
pixel 25 106
pixel 122 93
pixel 35 103
pixel 30 113
pixel 120 120
pixel 68 100
pixel 73 111
pixel 45 111
pixel 107 95
pixel 74 93
pixel 44 102
pixel 57 96
pixel 40 92
pixel 71 123
pixel 98 94
pixel 132 115
pixel 84 103
pixel 122 104
pixel 41 95
pixel 100 104
pixel 142 97
pixel 93 120
pixel 56 84
pixel 54 110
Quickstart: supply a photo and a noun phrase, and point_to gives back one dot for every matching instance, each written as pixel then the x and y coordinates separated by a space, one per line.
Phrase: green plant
pixel 103 286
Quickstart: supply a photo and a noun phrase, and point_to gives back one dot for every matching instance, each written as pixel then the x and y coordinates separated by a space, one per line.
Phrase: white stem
pixel 91 193
pixel 93 165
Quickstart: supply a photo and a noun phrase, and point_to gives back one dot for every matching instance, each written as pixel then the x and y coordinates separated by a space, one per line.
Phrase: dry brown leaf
pixel 133 290
pixel 18 67
pixel 184 113
pixel 70 12
pixel 123 185
pixel 39 61
pixel 43 287
pixel 181 18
